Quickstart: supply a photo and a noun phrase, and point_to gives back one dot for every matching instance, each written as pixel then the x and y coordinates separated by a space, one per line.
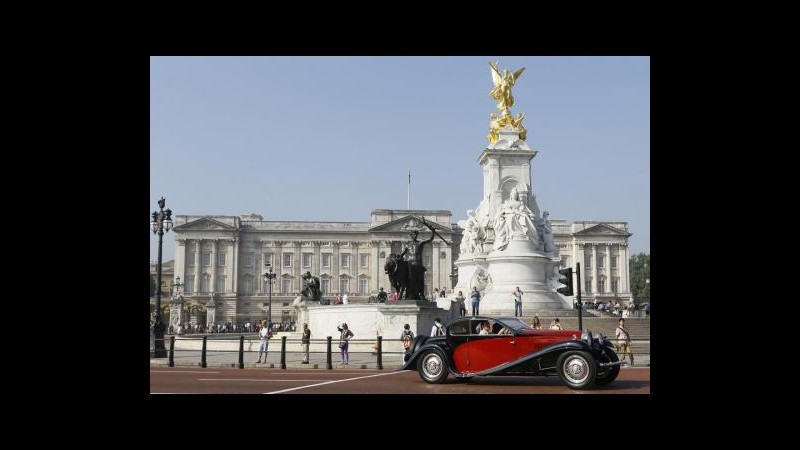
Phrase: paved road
pixel 225 380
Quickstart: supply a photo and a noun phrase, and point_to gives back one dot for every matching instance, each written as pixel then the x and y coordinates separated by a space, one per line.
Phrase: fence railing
pixel 363 353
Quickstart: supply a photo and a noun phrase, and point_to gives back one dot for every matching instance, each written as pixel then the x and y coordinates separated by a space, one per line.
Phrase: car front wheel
pixel 432 367
pixel 577 369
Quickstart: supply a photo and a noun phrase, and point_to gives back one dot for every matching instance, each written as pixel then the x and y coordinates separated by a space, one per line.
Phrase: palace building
pixel 224 258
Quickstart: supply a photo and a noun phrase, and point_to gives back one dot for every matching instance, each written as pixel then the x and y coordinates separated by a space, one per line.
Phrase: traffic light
pixel 566 279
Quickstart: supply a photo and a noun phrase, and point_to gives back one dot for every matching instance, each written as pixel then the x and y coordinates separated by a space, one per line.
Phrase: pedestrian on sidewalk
pixel 265 334
pixel 344 342
pixel 624 341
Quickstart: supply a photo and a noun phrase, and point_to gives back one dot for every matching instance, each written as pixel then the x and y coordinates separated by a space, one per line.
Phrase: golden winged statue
pixel 503 81
pixel 502 86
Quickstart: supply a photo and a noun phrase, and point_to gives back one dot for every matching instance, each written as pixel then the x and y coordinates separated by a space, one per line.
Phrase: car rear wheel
pixel 609 374
pixel 432 367
pixel 577 369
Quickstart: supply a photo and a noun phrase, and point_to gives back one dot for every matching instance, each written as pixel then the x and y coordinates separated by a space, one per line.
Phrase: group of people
pixel 265 334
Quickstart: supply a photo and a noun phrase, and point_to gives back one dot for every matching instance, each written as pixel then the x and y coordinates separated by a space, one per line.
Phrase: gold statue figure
pixel 505 100
pixel 502 87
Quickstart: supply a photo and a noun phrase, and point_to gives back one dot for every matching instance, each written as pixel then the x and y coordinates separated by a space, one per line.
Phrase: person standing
pixel 437 329
pixel 555 324
pixel 475 297
pixel 517 302
pixel 624 341
pixel 306 343
pixel 265 334
pixel 462 308
pixel 537 324
pixel 344 342
pixel 407 337
pixel 381 296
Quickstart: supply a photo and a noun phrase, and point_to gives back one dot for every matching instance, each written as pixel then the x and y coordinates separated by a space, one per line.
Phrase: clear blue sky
pixel 332 138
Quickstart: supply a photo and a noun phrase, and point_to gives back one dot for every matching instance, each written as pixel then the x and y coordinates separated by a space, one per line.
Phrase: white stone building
pixel 226 256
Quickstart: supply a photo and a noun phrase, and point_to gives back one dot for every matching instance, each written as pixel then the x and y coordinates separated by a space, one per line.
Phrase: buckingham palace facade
pixel 226 257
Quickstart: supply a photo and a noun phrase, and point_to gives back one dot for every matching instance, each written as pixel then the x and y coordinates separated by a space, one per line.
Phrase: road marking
pixel 331 382
pixel 180 371
pixel 246 379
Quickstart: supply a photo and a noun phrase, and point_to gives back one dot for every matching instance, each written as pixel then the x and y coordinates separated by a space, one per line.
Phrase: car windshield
pixel 515 324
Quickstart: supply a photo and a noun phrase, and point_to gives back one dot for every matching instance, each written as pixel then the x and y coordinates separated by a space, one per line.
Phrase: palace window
pixel 188 287
pixel 221 258
pixel 363 260
pixel 267 257
pixel 287 260
pixel 344 259
pixel 344 285
pixel 615 285
pixel 286 286
pixel 190 259
pixel 362 286
pixel 601 286
pixel 220 283
pixel 325 286
pixel 307 259
pixel 326 260
pixel 205 284
pixel 588 286
pixel 206 259
pixel 249 259
pixel 247 285
pixel 587 261
pixel 601 261
pixel 613 262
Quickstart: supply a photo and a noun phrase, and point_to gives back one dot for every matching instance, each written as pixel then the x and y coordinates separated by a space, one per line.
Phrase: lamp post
pixel 268 277
pixel 162 221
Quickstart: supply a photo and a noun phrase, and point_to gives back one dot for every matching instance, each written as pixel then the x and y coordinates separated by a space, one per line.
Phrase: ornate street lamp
pixel 162 222
pixel 268 277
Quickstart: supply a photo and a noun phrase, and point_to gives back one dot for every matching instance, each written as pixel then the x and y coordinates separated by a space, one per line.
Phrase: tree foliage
pixel 639 266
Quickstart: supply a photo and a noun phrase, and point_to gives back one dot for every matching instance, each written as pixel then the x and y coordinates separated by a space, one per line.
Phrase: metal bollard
pixel 380 349
pixel 329 364
pixel 203 354
pixel 172 351
pixel 283 352
pixel 241 351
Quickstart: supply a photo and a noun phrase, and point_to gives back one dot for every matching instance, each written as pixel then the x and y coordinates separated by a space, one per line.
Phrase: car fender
pixel 420 345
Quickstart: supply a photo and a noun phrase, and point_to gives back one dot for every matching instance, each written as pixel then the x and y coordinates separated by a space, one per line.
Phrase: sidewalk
pixel 358 360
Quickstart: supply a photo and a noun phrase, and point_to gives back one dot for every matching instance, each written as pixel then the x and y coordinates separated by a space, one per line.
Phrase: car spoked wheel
pixel 577 369
pixel 432 367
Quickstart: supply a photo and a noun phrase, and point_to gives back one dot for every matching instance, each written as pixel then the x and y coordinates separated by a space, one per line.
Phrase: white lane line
pixel 180 371
pixel 248 379
pixel 334 381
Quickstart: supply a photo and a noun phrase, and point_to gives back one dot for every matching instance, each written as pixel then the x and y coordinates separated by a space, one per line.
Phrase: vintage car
pixel 513 348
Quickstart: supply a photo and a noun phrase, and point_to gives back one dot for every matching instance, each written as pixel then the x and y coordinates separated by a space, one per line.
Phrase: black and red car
pixel 512 347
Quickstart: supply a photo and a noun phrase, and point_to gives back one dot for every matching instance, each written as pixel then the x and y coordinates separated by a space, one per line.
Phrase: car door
pixel 486 351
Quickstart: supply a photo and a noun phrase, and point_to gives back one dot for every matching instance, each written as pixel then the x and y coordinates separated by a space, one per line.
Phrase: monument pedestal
pixel 520 265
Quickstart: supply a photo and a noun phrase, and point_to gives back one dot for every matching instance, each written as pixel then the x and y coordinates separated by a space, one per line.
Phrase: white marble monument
pixel 507 243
